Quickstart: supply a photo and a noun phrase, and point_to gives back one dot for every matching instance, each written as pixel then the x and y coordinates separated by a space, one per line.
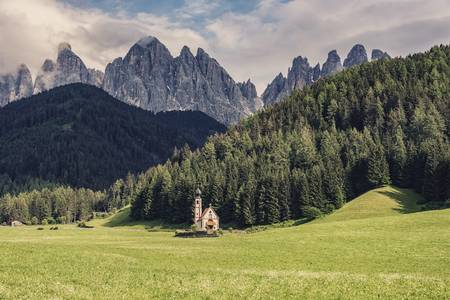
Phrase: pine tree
pixel 378 168
pixel 272 205
pixel 247 195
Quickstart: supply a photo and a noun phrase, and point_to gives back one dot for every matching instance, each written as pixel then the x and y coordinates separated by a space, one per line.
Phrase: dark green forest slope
pixel 81 136
pixel 377 123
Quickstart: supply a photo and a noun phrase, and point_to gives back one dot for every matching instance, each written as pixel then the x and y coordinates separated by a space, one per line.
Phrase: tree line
pixel 378 123
pixel 58 205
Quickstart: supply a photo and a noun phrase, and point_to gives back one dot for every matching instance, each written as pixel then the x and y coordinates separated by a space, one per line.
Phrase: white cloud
pixel 258 44
pixel 31 30
pixel 264 42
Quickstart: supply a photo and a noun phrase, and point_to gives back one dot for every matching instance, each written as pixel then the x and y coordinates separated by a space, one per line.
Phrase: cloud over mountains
pixel 255 43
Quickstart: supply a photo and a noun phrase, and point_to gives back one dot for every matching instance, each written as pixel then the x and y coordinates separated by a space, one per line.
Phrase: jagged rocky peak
pixel 48 66
pixel 332 64
pixel 15 85
pixel 274 89
pixel 149 77
pixel 69 68
pixel 316 72
pixel 186 52
pixel 64 46
pixel 356 56
pixel 187 58
pixel 146 42
pixel 300 74
pixel 23 82
pixel 248 89
pixel 379 54
pixel 45 77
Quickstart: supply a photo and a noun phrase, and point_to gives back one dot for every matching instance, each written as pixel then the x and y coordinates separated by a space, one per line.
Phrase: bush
pixel 312 213
pixel 44 222
pixel 193 228
pixel 34 220
pixel 51 220
pixel 329 208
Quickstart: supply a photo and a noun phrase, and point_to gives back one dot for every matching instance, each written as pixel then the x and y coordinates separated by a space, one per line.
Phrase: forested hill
pixel 81 136
pixel 377 123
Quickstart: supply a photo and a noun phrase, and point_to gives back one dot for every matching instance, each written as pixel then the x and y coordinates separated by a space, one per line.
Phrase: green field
pixel 377 246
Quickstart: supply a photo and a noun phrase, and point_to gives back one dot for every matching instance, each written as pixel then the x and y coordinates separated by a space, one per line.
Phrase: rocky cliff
pixel 301 73
pixel 151 78
pixel 14 86
pixel 69 68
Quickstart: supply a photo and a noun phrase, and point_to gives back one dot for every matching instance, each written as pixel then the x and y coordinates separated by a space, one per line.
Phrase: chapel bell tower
pixel 198 207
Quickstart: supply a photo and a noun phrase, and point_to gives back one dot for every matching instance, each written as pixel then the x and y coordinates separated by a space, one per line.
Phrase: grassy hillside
pixel 398 256
pixel 380 202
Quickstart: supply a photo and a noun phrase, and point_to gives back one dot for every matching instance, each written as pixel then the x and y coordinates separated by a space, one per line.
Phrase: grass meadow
pixel 379 246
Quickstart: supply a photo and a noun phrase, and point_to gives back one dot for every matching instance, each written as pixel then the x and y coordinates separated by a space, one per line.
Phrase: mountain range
pixel 149 77
pixel 302 74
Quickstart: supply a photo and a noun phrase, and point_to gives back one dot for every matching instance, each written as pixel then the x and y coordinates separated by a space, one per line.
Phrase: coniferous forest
pixel 59 146
pixel 374 124
pixel 78 135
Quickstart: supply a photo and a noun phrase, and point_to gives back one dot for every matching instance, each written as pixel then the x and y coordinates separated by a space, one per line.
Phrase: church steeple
pixel 198 207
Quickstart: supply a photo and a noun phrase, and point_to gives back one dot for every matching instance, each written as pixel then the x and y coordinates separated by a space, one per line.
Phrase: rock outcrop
pixel 17 85
pixel 149 77
pixel 274 90
pixel 378 54
pixel 69 68
pixel 298 76
pixel 301 74
pixel 332 65
pixel 248 90
pixel 356 56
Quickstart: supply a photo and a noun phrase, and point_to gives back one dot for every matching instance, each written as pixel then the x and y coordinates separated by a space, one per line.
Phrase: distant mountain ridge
pixel 301 73
pixel 149 77
pixel 15 85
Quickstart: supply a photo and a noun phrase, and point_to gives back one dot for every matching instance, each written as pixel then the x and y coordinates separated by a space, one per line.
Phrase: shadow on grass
pixel 406 198
pixel 302 221
pixel 123 219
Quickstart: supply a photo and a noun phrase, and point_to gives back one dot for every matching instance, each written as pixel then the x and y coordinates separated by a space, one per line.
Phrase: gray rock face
pixel 149 77
pixel 301 74
pixel 356 56
pixel 332 65
pixel 274 90
pixel 298 76
pixel 316 73
pixel 69 68
pixel 378 54
pixel 14 86
pixel 248 90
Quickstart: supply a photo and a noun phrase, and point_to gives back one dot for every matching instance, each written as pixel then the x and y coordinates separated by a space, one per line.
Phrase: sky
pixel 254 39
